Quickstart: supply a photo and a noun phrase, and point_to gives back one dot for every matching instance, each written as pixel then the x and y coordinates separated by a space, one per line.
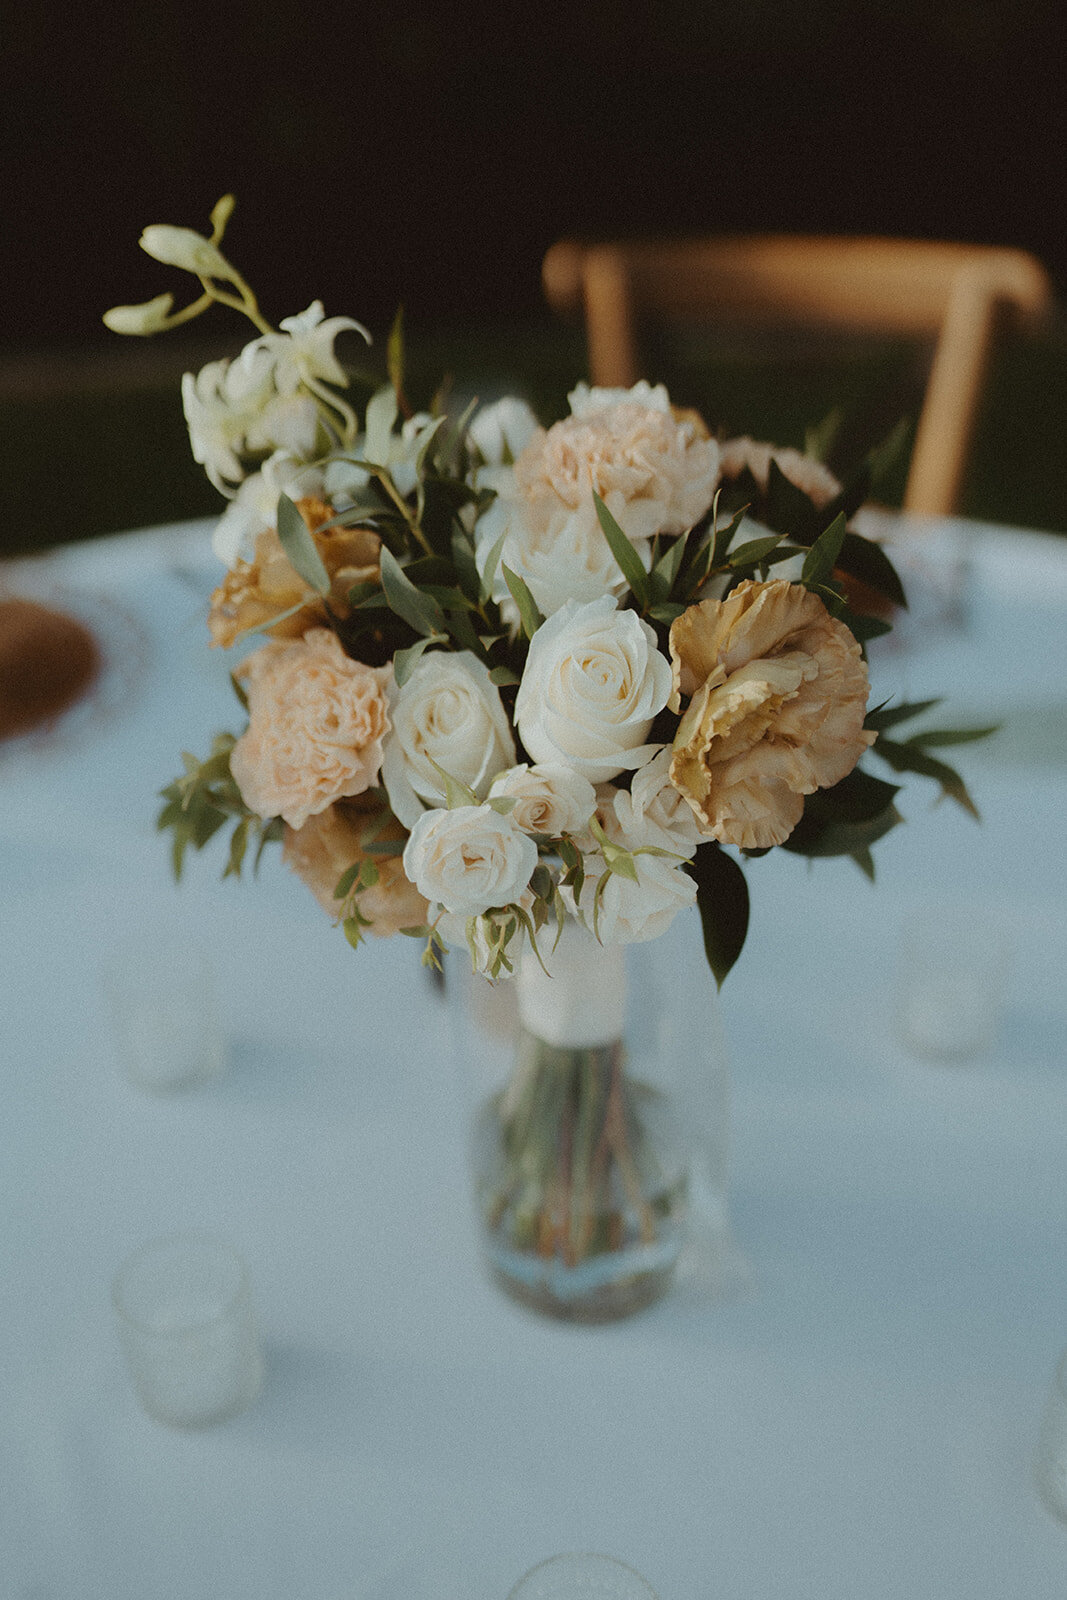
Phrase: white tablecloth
pixel 859 1422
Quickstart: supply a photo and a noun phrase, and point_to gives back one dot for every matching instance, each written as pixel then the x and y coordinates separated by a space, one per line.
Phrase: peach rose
pixel 804 472
pixel 317 720
pixel 253 592
pixel 331 842
pixel 777 693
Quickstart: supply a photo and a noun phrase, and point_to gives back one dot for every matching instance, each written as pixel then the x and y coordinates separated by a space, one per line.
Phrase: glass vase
pixel 598 1103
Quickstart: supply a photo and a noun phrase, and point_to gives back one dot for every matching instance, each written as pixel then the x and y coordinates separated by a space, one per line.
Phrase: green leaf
pixel 299 546
pixel 503 677
pixel 821 559
pixel 457 794
pixel 491 562
pixel 857 798
pixel 909 757
pixel 862 558
pixel 789 511
pixel 820 440
pixel 529 615
pixel 946 736
pixel 670 562
pixel 755 551
pixel 887 716
pixel 723 537
pixel 818 836
pixel 404 661
pixel 722 900
pixel 884 457
pixel 382 411
pixel 624 552
pixel 239 690
pixel 420 611
pixel 345 883
pixel 394 354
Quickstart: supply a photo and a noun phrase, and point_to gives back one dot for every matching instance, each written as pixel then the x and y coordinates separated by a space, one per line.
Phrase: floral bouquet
pixel 518 685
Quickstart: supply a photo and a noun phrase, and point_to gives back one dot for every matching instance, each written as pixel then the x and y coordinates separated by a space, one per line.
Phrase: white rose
pixel 559 551
pixel 449 713
pixel 469 859
pixel 591 688
pixel 550 800
pixel 633 913
pixel 654 812
pixel 502 429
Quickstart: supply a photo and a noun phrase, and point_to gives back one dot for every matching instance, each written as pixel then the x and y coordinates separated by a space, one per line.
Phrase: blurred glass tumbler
pixel 951 981
pixel 165 1016
pixel 582 1577
pixel 188 1330
pixel 1050 1467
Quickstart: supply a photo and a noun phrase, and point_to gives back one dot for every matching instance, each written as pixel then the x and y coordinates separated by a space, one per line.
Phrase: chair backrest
pixel 953 294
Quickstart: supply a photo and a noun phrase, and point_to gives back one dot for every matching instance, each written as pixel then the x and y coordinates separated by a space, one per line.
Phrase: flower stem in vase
pixel 581 1185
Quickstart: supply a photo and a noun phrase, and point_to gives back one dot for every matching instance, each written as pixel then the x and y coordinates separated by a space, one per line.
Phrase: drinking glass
pixel 188 1330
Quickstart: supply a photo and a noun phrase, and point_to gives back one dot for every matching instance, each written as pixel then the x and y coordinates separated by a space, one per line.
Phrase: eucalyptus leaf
pixel 624 552
pixel 394 354
pixel 404 661
pixel 419 610
pixel 755 551
pixel 382 411
pixel 529 615
pixel 911 757
pixel 888 716
pixel 821 559
pixel 299 546
pixel 492 560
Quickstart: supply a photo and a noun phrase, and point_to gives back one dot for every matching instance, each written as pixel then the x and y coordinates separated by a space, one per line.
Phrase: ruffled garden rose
pixel 469 859
pixel 777 692
pixel 330 842
pixel 592 685
pixel 550 800
pixel 804 472
pixel 447 715
pixel 655 471
pixel 253 592
pixel 317 721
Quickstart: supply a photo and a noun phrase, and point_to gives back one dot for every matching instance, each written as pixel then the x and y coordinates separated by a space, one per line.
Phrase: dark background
pixel 397 153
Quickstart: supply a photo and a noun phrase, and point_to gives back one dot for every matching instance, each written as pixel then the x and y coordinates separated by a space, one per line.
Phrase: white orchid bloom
pixel 255 506
pixel 222 404
pixel 185 248
pixel 149 317
pixel 302 353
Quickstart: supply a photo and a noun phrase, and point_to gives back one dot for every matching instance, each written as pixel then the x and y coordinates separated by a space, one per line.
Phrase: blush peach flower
pixel 317 720
pixel 805 472
pixel 253 592
pixel 328 844
pixel 655 469
pixel 777 692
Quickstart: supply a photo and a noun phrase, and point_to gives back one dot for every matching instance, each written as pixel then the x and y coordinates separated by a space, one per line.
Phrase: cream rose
pixel 328 844
pixel 591 688
pixel 316 724
pixel 550 800
pixel 469 859
pixel 653 811
pixel 629 912
pixel 777 694
pixel 655 471
pixel 449 713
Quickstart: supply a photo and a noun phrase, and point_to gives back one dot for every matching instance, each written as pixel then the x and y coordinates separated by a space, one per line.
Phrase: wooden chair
pixel 954 294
